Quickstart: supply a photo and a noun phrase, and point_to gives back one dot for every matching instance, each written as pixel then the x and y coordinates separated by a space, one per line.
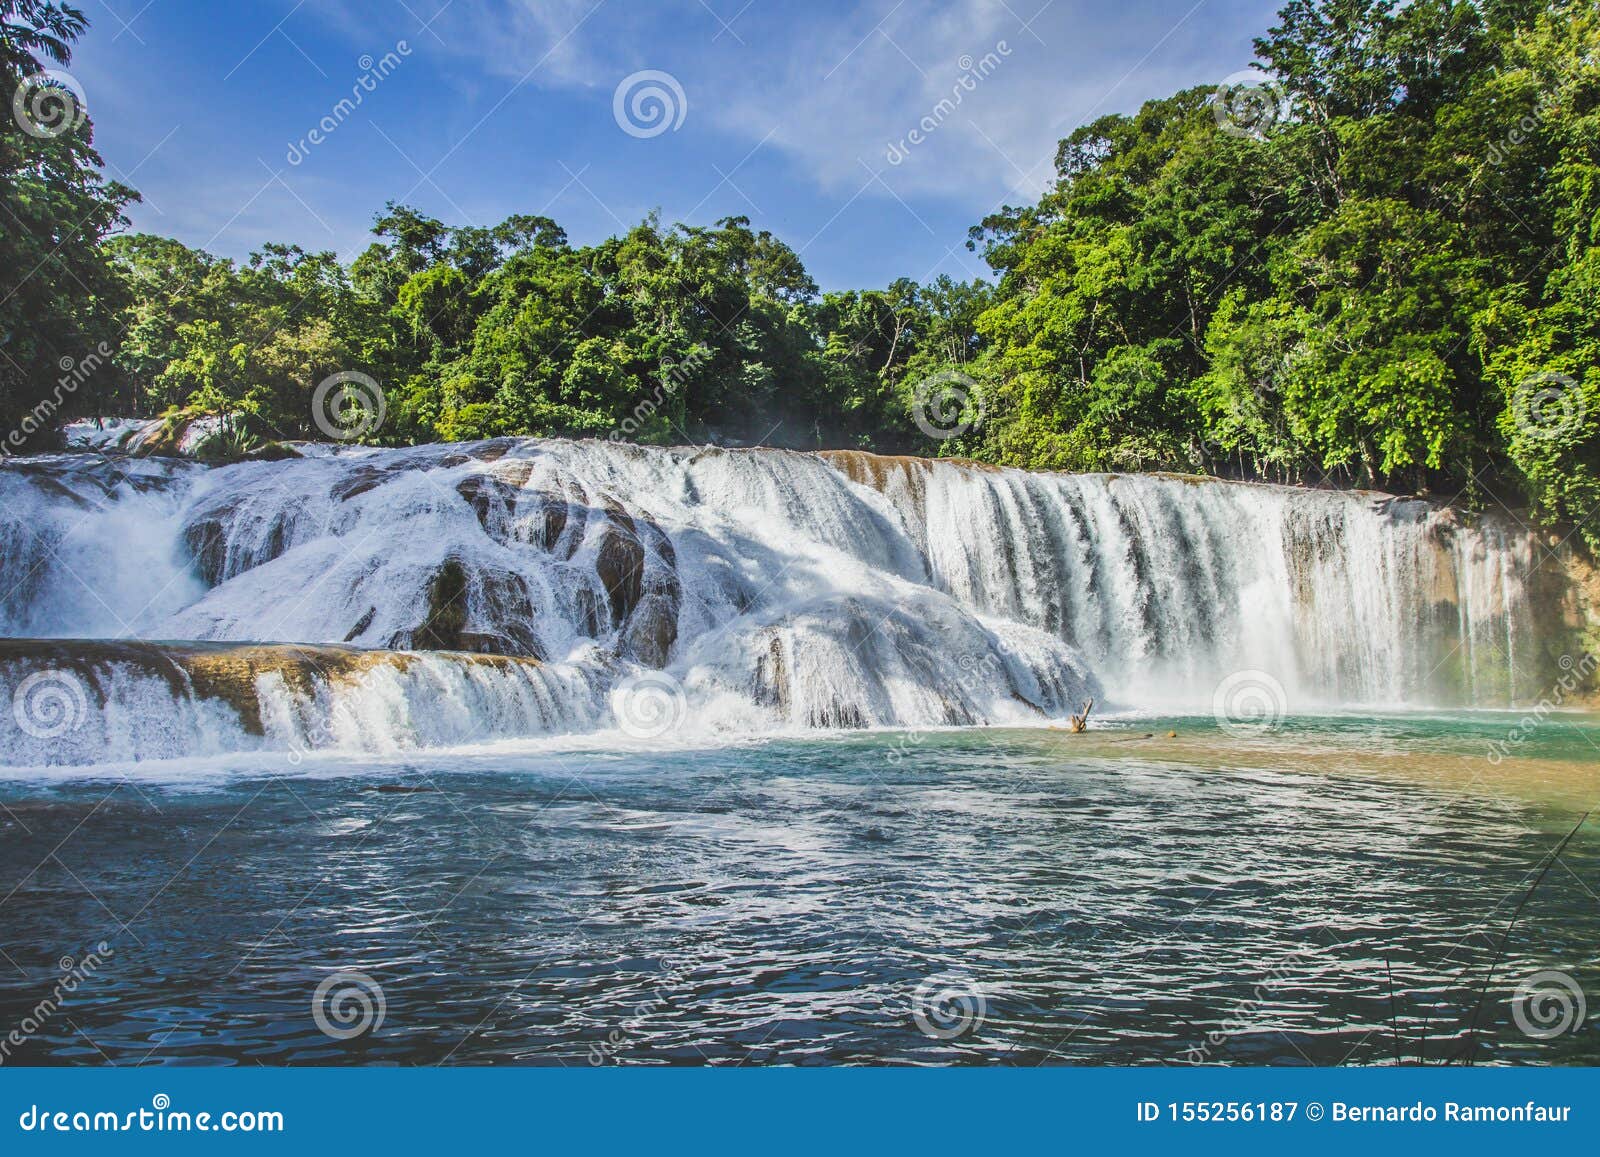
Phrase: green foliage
pixel 58 297
pixel 1376 289
pixel 251 340
pixel 1395 281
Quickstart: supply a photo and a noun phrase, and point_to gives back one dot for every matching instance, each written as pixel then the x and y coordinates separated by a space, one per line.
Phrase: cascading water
pixel 1167 583
pixel 456 594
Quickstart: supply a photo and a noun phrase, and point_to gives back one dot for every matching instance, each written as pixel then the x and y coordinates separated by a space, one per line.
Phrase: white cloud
pixel 836 90
pixel 548 39
pixel 844 94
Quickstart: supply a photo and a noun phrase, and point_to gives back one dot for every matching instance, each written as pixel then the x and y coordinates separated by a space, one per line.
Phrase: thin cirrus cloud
pixel 840 88
pixel 799 116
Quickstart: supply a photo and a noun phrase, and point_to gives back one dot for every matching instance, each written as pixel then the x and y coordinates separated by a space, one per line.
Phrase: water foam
pixel 775 591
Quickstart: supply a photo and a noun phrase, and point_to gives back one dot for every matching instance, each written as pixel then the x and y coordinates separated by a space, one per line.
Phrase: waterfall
pixel 1166 583
pixel 443 595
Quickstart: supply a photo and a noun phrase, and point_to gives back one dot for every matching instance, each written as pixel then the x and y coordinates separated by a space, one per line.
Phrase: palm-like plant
pixel 30 29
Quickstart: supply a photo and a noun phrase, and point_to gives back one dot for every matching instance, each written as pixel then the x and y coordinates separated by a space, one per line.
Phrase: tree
pixel 58 296
pixel 33 28
pixel 1390 279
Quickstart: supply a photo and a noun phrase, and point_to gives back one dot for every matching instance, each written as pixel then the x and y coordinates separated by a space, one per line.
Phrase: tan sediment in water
pixel 1293 750
pixel 228 671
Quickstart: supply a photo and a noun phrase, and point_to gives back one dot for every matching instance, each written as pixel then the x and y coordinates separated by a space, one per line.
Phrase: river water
pixel 1335 890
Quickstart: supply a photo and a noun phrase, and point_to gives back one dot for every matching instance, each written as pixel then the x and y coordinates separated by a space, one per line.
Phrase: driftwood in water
pixel 1081 722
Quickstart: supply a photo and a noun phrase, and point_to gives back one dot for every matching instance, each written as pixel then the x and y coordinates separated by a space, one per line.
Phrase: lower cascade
pixel 359 599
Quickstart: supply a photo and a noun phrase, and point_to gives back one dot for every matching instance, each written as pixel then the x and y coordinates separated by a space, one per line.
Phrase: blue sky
pixel 490 107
